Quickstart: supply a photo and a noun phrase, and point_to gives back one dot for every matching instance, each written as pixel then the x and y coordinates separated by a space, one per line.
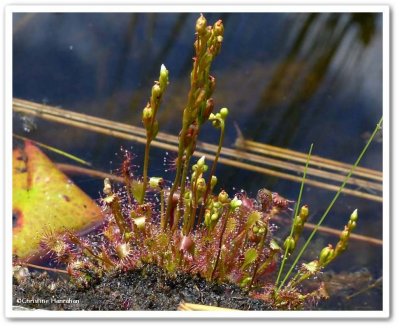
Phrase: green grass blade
pixel 55 150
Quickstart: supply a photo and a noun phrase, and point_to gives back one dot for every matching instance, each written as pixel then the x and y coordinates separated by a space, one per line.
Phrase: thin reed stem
pixel 378 127
pixel 296 212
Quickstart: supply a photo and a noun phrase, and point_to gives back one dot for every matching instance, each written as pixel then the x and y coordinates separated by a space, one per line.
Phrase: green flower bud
pixel 256 229
pixel 214 217
pixel 223 197
pixel 354 216
pixel 341 246
pixel 163 77
pixel 213 181
pixel 156 182
pixel 207 218
pixel 345 235
pixel 289 244
pixel 217 205
pixel 201 185
pixel 235 203
pixel 326 255
pixel 156 91
pixel 201 162
pixel 201 25
pixel 147 116
pixel 218 28
pixel 304 212
pixel 216 123
pixel 298 222
pixel 351 225
pixel 224 112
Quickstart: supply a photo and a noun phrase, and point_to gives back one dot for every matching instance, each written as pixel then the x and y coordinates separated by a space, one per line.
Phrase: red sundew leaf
pixel 44 197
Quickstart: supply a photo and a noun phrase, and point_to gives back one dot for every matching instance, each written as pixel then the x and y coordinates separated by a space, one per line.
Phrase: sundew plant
pixel 188 225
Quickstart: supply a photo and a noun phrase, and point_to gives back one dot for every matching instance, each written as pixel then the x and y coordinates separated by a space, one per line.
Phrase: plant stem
pixel 162 209
pixel 213 168
pixel 145 168
pixel 378 127
pixel 224 222
pixel 177 176
pixel 298 279
pixel 183 183
pixel 187 113
pixel 292 282
pixel 149 138
pixel 259 250
pixel 192 210
pixel 296 212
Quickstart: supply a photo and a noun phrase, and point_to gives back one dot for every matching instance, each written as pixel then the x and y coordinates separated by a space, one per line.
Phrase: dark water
pixel 288 79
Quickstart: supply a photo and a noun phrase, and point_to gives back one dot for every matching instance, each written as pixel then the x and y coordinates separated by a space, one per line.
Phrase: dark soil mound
pixel 146 289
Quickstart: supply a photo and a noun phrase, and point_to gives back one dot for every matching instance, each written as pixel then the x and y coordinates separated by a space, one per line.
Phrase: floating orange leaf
pixel 43 198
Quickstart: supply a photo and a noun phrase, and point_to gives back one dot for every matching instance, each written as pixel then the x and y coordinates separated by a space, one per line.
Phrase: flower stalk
pixel 290 242
pixel 200 104
pixel 151 124
pixel 218 121
pixel 354 166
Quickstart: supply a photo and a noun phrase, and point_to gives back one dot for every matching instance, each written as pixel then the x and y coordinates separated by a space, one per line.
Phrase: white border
pixel 197 8
pixel 9 10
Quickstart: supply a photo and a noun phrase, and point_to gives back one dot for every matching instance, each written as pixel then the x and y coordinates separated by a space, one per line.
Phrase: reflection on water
pixel 288 79
pixel 307 64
